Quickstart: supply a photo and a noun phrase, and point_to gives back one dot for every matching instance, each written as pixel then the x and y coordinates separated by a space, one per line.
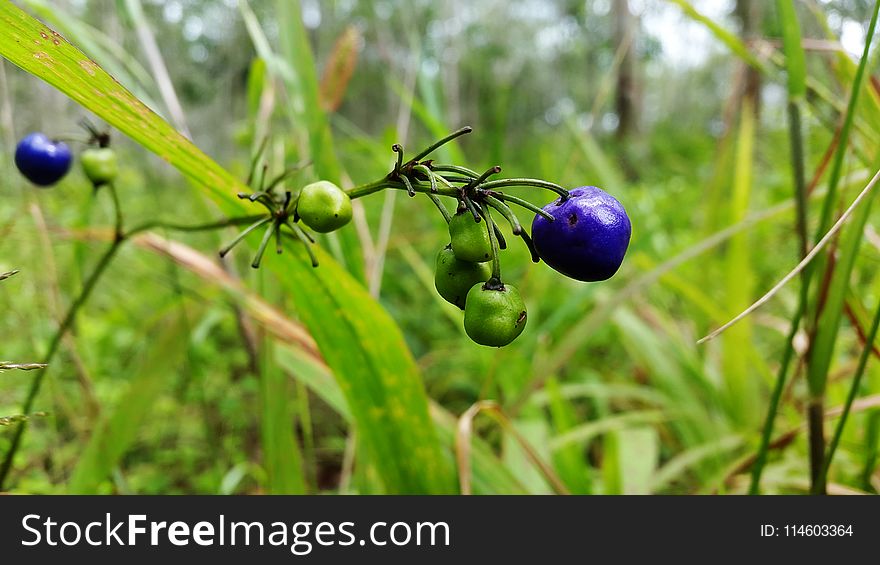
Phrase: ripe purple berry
pixel 588 237
pixel 42 160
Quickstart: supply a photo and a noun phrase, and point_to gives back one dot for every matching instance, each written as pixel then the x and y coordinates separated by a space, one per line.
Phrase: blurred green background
pixel 179 377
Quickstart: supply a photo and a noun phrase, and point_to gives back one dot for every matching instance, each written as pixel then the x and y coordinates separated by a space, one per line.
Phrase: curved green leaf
pixel 361 343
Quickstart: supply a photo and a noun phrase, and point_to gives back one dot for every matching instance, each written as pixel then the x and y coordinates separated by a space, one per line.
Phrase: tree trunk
pixel 749 14
pixel 626 100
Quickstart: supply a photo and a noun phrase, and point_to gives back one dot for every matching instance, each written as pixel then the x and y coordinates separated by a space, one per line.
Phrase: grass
pixel 179 375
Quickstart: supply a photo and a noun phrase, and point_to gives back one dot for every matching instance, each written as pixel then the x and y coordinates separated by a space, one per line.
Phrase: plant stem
pixel 850 398
pixel 525 204
pixel 800 190
pixel 383 183
pixel 70 316
pixel 171 226
pixel 441 142
pixel 501 183
pixel 817 375
pixel 66 324
pixel 455 169
pixel 505 211
pixel 776 396
pixel 496 251
pixel 837 164
pixel 443 211
pixel 117 208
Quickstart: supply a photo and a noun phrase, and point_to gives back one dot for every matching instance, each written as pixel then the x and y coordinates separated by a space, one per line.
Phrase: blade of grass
pixel 841 221
pixel 464 439
pixel 828 319
pixel 796 67
pixel 151 50
pixel 281 453
pixel 850 398
pixel 569 461
pixel 294 47
pixel 741 386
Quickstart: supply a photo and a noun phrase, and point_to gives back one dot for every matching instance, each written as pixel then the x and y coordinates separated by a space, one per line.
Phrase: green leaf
pixel 377 374
pixel 569 460
pixel 281 454
pixel 361 343
pixel 795 63
pixel 739 375
pixel 828 325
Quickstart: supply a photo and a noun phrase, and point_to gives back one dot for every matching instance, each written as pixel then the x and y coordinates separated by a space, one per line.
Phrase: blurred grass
pixel 606 384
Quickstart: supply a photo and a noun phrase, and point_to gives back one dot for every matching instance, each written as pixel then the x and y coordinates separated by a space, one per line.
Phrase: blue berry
pixel 41 160
pixel 588 237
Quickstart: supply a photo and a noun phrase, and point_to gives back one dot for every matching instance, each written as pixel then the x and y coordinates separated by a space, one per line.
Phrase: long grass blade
pixel 800 266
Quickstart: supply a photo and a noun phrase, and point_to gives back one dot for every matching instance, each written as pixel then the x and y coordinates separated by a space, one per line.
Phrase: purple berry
pixel 42 160
pixel 588 237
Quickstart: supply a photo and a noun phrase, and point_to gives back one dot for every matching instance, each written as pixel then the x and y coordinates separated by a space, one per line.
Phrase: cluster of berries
pixel 45 161
pixel 583 233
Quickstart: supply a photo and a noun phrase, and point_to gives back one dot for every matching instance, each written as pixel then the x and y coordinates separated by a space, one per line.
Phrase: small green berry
pixel 470 239
pixel 323 206
pixel 100 165
pixel 494 316
pixel 453 277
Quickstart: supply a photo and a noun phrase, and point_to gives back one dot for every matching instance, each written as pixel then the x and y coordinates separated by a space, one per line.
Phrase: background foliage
pixel 183 375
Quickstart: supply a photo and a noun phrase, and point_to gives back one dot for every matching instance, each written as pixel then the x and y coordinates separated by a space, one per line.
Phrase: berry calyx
pixel 100 165
pixel 323 206
pixel 41 160
pixel 588 236
pixel 453 278
pixel 470 239
pixel 495 314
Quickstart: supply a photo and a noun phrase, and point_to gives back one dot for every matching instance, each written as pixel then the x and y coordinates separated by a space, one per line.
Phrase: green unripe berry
pixel 100 165
pixel 470 239
pixel 323 206
pixel 453 277
pixel 494 316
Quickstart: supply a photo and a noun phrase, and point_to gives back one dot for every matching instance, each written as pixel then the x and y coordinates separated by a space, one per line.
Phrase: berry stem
pixel 267 236
pixel 439 143
pixel 431 176
pixel 398 148
pixel 455 169
pixel 473 209
pixel 117 211
pixel 501 183
pixel 383 183
pixel 244 234
pixel 505 211
pixel 286 174
pixel 496 251
pixel 409 187
pixel 225 223
pixel 303 236
pixel 475 182
pixel 440 207
pixel 531 245
pixel 525 204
